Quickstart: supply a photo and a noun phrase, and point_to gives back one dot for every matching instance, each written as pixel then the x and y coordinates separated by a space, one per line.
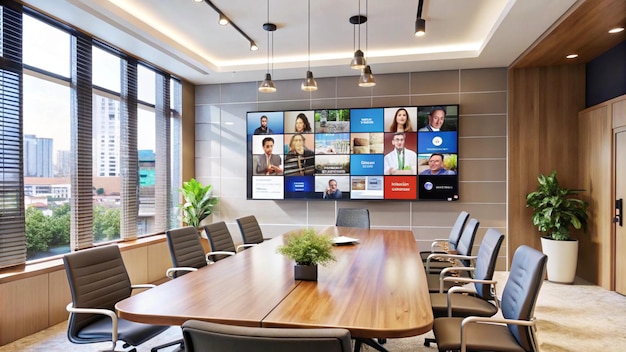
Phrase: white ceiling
pixel 183 37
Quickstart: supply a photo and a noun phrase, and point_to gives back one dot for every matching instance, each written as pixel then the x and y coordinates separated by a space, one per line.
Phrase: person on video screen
pixel 268 163
pixel 332 192
pixel 300 160
pixel 302 124
pixel 263 129
pixel 401 122
pixel 435 166
pixel 400 161
pixel 435 120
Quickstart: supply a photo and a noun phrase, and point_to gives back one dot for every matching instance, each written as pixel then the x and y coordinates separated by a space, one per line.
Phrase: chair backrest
pixel 185 248
pixel 466 242
pixel 205 336
pixel 98 279
pixel 521 291
pixel 457 229
pixel 250 229
pixel 220 239
pixel 486 261
pixel 353 217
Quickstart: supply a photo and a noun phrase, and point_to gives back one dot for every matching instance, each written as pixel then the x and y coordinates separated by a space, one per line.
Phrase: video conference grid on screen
pixel 396 153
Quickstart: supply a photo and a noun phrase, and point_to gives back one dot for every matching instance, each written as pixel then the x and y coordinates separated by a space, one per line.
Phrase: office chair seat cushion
pixel 481 337
pixel 130 332
pixel 463 306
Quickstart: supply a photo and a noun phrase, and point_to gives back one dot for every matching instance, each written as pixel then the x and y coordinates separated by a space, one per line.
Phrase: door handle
pixel 618 212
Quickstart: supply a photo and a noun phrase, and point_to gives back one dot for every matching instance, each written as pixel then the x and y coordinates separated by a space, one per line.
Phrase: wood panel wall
pixel 543 136
pixel 595 173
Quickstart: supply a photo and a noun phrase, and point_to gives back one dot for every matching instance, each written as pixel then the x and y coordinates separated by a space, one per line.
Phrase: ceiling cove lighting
pixel 309 84
pixel 420 23
pixel 268 86
pixel 224 20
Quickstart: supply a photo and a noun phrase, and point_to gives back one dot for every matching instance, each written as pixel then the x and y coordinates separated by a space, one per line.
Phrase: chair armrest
pixel 217 252
pixel 443 275
pixel 437 243
pixel 244 246
pixel 170 272
pixel 490 320
pixel 463 289
pixel 142 286
pixel 446 256
pixel 111 314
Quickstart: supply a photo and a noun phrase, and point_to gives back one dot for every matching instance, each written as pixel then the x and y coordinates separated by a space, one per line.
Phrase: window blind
pixel 81 223
pixel 12 225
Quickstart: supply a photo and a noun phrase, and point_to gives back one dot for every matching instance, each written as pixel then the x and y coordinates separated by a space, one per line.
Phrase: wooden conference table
pixel 376 289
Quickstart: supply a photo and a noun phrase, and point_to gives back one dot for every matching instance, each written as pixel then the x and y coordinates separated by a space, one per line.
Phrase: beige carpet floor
pixel 578 317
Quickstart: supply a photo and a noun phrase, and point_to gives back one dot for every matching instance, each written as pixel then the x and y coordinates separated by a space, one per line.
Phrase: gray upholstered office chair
pixel 222 245
pixel 250 230
pixel 202 336
pixel 515 331
pixel 435 262
pixel 477 301
pixel 437 246
pixel 98 280
pixel 353 217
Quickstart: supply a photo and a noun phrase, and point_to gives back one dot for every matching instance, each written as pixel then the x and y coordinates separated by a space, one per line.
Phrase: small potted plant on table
pixel 308 249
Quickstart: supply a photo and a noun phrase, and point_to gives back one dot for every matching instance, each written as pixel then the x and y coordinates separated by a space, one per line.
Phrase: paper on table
pixel 345 240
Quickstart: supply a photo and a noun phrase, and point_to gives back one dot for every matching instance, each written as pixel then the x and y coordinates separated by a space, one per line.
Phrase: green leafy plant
pixel 308 248
pixel 554 211
pixel 199 202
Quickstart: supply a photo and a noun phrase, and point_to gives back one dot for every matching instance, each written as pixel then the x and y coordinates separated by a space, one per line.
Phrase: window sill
pixel 47 266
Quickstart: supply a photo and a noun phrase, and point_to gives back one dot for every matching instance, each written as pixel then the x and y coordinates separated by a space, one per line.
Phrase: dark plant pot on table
pixel 305 272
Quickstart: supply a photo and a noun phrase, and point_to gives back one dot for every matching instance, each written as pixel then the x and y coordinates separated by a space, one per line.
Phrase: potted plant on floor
pixel 198 202
pixel 555 212
pixel 308 249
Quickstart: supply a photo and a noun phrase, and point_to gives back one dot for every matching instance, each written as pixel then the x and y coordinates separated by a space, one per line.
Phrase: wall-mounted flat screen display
pixel 391 153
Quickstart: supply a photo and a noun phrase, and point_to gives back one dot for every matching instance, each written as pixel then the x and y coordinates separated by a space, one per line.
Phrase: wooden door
pixel 620 193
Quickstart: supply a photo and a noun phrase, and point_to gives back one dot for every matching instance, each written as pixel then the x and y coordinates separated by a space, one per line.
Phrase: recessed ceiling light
pixel 616 30
pixel 571 56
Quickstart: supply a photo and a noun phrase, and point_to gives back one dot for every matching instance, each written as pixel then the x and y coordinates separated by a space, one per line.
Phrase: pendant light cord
pixel 309 20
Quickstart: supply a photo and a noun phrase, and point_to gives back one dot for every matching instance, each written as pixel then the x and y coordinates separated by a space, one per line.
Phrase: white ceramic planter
pixel 562 259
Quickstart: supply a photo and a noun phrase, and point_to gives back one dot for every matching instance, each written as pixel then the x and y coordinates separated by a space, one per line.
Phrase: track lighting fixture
pixel 224 20
pixel 309 84
pixel 420 23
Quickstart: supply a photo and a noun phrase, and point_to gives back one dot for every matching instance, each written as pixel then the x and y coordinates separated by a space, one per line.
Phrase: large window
pixel 80 124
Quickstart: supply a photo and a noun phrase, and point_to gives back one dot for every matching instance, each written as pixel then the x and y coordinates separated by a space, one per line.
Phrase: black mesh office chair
pixel 437 246
pixel 211 337
pixel 98 280
pixel 250 230
pixel 515 331
pixel 353 217
pixel 474 302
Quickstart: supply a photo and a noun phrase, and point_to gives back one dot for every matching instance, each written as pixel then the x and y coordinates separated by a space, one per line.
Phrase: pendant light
pixel 267 86
pixel 358 61
pixel 367 78
pixel 309 84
